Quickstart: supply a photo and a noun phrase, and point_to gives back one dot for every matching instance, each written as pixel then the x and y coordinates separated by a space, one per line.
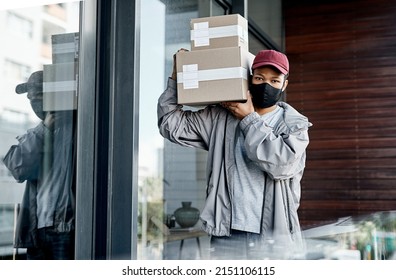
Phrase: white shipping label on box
pixel 190 76
pixel 201 29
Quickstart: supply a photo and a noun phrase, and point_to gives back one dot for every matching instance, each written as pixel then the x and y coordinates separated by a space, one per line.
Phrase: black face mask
pixel 264 95
pixel 37 106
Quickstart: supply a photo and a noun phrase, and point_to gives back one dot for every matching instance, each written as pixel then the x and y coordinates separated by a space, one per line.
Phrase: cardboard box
pixel 219 32
pixel 60 89
pixel 211 76
pixel 65 47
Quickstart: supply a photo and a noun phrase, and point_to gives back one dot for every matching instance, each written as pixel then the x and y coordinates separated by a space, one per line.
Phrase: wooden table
pixel 179 234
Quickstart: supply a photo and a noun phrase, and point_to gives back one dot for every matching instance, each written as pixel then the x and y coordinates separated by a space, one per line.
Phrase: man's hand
pixel 56 119
pixel 238 109
pixel 49 120
pixel 174 70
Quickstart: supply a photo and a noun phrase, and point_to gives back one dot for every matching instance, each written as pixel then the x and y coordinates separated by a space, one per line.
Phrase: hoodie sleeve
pixel 280 154
pixel 24 159
pixel 184 127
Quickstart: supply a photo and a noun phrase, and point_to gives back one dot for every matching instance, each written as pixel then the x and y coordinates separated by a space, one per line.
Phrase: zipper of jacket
pixel 225 172
pixel 291 229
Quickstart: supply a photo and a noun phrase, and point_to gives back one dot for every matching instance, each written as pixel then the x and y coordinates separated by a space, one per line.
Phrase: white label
pixel 189 76
pixel 200 33
pixel 201 25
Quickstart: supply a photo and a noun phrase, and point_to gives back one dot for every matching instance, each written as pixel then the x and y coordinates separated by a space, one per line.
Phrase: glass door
pixel 170 176
pixel 38 109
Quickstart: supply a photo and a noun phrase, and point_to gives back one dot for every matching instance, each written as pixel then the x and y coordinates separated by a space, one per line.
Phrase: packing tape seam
pixel 59 86
pixel 201 36
pixel 64 48
pixel 191 79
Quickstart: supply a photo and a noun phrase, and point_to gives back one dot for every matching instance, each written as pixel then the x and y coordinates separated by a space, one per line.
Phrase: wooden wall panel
pixel 343 77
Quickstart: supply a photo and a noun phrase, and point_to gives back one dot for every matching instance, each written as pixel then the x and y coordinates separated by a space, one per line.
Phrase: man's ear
pixel 285 85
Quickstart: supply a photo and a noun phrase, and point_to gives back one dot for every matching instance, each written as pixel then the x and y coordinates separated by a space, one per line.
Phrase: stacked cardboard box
pixel 60 87
pixel 65 47
pixel 218 66
pixel 60 79
pixel 219 32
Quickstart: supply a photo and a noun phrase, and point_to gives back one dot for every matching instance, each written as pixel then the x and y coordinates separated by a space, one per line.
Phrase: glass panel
pixel 267 16
pixel 38 107
pixel 170 175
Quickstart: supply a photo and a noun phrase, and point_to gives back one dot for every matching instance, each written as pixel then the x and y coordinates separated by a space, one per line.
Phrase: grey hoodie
pixel 25 162
pixel 280 152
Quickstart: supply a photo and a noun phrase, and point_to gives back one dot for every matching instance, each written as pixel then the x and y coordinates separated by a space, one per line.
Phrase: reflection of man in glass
pixel 44 159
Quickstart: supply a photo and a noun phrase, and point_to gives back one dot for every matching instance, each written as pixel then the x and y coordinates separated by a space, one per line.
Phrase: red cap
pixel 272 57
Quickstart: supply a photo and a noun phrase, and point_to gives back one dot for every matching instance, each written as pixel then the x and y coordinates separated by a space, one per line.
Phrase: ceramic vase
pixel 186 216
